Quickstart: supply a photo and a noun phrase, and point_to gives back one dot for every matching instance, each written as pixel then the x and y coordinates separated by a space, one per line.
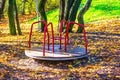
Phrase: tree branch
pixel 85 8
pixel 73 10
pixel 68 5
pixel 81 14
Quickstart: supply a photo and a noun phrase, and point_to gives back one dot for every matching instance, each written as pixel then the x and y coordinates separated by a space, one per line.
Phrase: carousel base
pixel 58 55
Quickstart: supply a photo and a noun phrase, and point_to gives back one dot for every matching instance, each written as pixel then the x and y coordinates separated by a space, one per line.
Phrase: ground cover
pixel 104 60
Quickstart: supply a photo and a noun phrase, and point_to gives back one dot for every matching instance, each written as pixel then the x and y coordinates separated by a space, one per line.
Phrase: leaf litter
pixel 103 62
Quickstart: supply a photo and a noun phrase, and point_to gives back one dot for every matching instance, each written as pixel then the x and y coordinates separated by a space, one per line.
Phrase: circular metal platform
pixel 58 55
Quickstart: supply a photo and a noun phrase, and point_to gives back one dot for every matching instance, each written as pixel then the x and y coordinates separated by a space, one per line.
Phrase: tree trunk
pixel 17 19
pixel 2 5
pixel 81 14
pixel 23 6
pixel 42 13
pixel 11 17
pixel 61 12
pixel 68 5
pixel 68 10
pixel 73 12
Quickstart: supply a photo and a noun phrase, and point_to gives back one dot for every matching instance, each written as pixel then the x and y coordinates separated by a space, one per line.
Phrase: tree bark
pixel 68 5
pixel 11 17
pixel 61 12
pixel 42 13
pixel 81 14
pixel 17 19
pixel 68 10
pixel 73 12
pixel 2 5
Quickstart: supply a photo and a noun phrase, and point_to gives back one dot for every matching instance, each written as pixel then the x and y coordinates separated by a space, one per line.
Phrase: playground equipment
pixel 57 52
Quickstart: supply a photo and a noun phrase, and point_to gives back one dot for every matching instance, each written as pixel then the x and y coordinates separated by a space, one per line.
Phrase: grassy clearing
pixel 103 9
pixel 100 9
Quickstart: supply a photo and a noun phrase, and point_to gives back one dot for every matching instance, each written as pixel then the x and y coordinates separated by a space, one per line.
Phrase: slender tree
pixel 12 8
pixel 17 19
pixel 61 12
pixel 2 5
pixel 11 17
pixel 81 14
pixel 73 12
pixel 23 6
pixel 42 13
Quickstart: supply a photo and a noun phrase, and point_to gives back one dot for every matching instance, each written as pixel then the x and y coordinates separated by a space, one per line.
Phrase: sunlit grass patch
pixel 100 9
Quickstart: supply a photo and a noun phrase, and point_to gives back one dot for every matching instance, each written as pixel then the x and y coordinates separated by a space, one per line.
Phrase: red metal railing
pixel 53 38
pixel 57 38
pixel 30 35
pixel 46 30
pixel 84 32
pixel 61 30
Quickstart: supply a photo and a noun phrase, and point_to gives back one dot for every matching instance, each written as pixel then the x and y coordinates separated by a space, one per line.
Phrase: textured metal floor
pixel 58 55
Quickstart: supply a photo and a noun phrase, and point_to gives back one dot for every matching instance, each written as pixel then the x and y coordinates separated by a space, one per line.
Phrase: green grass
pixel 103 9
pixel 100 9
pixel 53 16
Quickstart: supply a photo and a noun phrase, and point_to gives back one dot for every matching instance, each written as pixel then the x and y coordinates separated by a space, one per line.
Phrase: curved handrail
pixel 30 35
pixel 46 30
pixel 80 25
pixel 61 29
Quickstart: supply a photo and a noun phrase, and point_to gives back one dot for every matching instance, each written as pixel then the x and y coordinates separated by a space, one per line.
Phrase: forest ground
pixel 104 56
